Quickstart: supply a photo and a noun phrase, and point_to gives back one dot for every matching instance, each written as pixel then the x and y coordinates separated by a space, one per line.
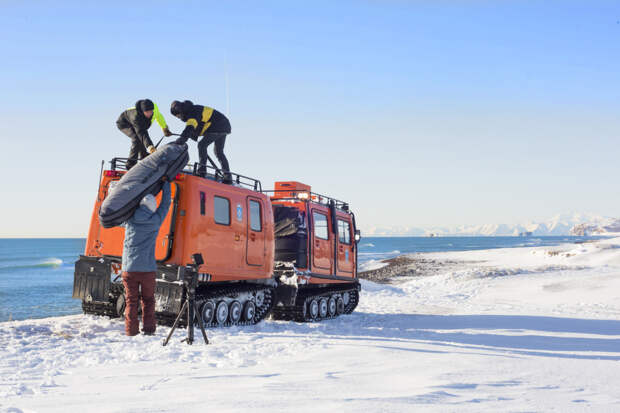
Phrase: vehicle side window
pixel 344 232
pixel 320 225
pixel 221 210
pixel 255 216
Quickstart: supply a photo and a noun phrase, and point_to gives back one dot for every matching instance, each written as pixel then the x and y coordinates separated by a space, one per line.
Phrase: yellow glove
pixel 151 149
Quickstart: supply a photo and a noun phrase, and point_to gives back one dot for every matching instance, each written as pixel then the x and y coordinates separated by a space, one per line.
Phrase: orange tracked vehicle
pixel 288 252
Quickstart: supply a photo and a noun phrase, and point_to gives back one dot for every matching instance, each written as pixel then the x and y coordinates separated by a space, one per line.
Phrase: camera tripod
pixel 189 273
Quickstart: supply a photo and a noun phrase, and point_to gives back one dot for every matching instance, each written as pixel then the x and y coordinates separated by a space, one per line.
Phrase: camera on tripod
pixel 189 275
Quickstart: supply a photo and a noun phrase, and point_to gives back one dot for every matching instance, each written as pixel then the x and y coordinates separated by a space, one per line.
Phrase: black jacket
pixel 135 119
pixel 202 119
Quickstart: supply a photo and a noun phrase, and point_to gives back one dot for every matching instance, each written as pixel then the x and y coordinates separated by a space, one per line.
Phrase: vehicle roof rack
pixel 211 172
pixel 216 174
pixel 310 196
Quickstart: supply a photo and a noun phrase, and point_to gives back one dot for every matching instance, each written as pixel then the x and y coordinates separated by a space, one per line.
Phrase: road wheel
pixel 331 306
pixel 221 313
pixel 313 309
pixel 235 311
pixel 323 307
pixel 207 311
pixel 120 306
pixel 249 311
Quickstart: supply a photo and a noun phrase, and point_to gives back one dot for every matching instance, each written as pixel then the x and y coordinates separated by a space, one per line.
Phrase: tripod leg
pixel 190 319
pixel 201 324
pixel 174 326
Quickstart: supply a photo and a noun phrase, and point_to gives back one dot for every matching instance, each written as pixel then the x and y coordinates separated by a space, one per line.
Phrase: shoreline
pixel 406 265
pixel 419 265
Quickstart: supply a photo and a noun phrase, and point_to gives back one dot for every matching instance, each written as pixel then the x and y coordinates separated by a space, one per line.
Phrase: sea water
pixel 380 248
pixel 36 275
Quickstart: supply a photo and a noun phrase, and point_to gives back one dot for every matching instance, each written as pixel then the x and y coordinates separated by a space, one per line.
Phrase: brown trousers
pixel 136 282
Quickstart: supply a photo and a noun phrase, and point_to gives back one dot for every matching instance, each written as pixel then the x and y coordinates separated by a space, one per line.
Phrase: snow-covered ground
pixel 527 329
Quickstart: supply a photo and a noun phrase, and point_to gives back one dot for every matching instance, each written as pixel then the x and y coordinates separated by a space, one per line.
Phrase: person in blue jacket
pixel 139 265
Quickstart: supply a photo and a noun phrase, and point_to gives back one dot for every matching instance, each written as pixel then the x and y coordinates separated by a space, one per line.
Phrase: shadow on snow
pixel 509 338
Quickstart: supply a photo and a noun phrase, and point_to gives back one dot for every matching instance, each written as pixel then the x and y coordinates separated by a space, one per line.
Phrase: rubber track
pixel 228 291
pixel 296 312
pixel 167 319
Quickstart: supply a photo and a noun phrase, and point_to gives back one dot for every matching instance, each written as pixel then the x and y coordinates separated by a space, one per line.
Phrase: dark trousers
pixel 137 151
pixel 220 141
pixel 136 282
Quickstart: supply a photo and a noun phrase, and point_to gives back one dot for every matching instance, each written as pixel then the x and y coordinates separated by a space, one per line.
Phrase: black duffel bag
pixel 144 178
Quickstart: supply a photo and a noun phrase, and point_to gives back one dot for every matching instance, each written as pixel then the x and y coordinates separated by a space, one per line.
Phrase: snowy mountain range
pixel 612 227
pixel 562 224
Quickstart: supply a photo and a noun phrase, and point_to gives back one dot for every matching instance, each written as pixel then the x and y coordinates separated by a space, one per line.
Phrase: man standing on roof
pixel 139 265
pixel 135 122
pixel 209 123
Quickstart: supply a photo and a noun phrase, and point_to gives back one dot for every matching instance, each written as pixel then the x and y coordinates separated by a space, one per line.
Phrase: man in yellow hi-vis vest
pixel 135 122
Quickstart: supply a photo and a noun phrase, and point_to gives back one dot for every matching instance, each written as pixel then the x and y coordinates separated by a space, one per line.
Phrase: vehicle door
pixel 346 246
pixel 321 245
pixel 221 236
pixel 255 250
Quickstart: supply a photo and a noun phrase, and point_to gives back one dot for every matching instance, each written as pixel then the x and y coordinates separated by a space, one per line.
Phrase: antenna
pixel 227 91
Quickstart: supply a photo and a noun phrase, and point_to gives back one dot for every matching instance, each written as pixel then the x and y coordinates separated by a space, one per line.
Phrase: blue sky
pixel 418 113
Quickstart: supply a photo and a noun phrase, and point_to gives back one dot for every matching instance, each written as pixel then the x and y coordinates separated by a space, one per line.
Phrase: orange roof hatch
pixel 291 189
